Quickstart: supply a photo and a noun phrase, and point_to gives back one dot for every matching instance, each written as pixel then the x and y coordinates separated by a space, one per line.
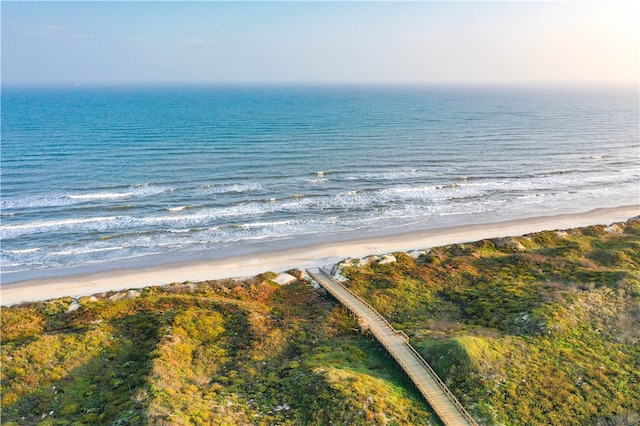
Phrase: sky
pixel 105 43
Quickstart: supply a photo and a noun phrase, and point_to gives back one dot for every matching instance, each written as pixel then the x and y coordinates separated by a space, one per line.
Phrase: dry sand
pixel 307 257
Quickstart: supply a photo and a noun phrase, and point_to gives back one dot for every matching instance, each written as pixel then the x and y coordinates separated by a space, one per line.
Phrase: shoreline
pixel 314 255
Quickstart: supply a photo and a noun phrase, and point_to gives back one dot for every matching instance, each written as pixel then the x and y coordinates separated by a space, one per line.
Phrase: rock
pixel 284 279
pixel 282 407
pixel 369 260
pixel 336 273
pixel 339 277
pixel 336 270
pixel 299 274
pixel 387 258
pixel 348 262
pixel 118 296
pixel 508 243
pixel 74 306
pixel 132 294
pixel 517 246
pixel 613 229
pixel 87 299
pixel 303 276
pixel 314 284
pixel 417 253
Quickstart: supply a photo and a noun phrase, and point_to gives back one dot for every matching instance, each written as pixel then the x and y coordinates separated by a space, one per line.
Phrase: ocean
pixel 103 178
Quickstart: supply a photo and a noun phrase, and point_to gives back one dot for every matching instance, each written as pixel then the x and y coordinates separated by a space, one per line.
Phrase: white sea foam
pixel 100 196
pixel 65 199
pixel 318 181
pixel 138 190
pixel 12 231
pixel 390 175
pixel 225 188
pixel 254 225
pixel 84 251
pixel 381 201
pixel 23 251
pixel 29 202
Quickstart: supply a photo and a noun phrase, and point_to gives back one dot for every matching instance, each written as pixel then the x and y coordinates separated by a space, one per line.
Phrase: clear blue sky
pixel 319 42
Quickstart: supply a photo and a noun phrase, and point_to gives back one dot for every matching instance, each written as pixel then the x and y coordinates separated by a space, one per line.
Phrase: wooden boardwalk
pixel 443 402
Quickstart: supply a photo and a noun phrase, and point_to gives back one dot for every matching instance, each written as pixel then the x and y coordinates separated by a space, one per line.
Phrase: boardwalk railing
pixel 444 387
pixel 364 302
pixel 452 399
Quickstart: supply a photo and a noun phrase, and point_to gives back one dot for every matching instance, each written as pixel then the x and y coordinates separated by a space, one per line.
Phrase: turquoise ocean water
pixel 100 178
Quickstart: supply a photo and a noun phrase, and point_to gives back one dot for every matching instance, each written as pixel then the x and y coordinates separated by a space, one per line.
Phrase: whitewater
pixel 101 178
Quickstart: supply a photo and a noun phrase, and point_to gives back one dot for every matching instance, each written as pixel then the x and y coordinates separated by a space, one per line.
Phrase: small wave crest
pixel 65 199
pixel 389 175
pixel 12 231
pixel 85 250
pixel 176 209
pixel 100 196
pixel 225 188
pixel 138 190
pixel 23 251
pixel 318 181
pixel 255 225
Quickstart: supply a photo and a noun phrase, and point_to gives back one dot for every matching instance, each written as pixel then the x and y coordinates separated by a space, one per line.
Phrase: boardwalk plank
pixel 446 406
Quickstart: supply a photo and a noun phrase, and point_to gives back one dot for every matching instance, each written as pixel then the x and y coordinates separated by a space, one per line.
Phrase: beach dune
pixel 305 257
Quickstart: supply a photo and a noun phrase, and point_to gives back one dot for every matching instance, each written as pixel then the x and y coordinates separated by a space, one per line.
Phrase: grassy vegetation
pixel 214 353
pixel 536 330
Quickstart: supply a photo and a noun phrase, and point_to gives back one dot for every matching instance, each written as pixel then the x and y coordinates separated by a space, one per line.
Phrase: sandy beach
pixel 306 257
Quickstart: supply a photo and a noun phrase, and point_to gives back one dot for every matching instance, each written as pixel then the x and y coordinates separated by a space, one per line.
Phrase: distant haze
pixel 61 43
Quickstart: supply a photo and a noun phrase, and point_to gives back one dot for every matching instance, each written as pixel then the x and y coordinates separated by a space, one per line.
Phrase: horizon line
pixel 318 84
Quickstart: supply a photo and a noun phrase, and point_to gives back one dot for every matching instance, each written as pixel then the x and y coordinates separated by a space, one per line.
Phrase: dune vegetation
pixel 213 353
pixel 534 330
